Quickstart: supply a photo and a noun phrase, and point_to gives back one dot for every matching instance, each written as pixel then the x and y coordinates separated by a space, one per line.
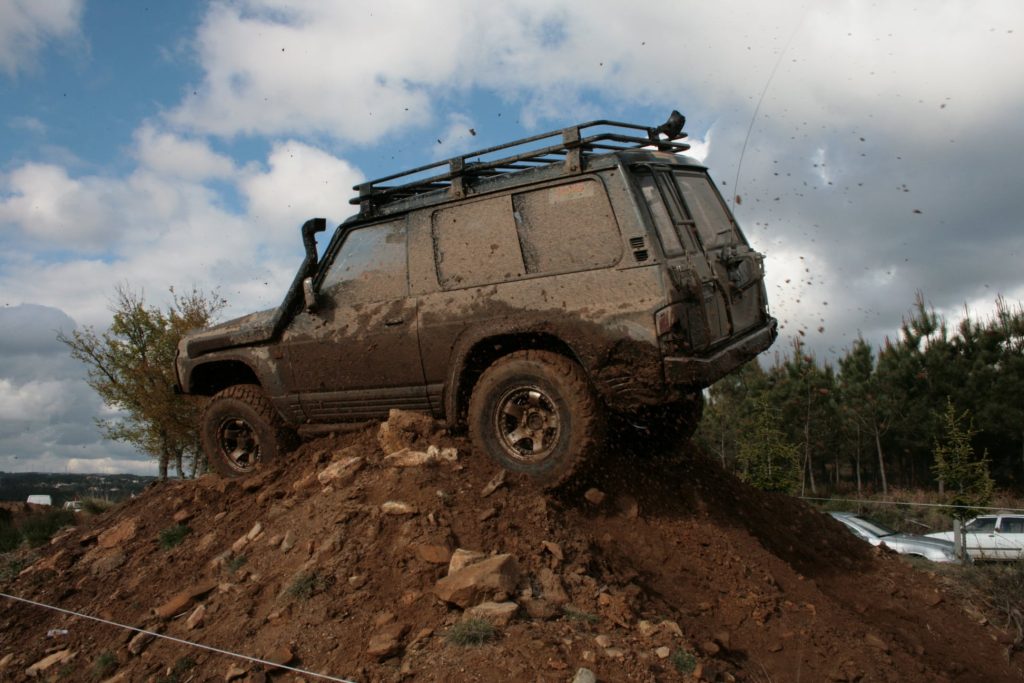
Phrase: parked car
pixel 875 533
pixel 992 537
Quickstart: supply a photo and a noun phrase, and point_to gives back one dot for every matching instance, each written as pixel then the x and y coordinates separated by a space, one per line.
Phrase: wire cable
pixel 255 660
pixel 757 109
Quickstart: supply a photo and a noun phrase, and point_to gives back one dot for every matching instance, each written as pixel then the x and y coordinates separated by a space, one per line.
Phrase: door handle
pixel 392 322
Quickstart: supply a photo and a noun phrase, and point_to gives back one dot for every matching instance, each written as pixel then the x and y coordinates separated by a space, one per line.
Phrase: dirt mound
pixel 338 561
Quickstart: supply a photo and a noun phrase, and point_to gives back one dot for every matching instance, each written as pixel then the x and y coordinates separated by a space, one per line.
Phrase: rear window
pixel 706 209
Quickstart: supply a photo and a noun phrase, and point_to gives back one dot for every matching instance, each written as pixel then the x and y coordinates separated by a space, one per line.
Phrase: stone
pixel 552 587
pixel 6 660
pixel 117 534
pixel 182 516
pixel 340 472
pixel 628 506
pixel 139 642
pixel 386 641
pixel 195 620
pixel 288 542
pixel 403 429
pixel 105 564
pixel 410 458
pixel 397 507
pixel 584 675
pixel 710 648
pixel 448 454
pixel 234 672
pixel 463 558
pixel 254 532
pixel 467 585
pixel 181 601
pixel 671 627
pixel 876 642
pixel 594 496
pixel 45 663
pixel 662 652
pixel 603 641
pixel 433 553
pixel 615 653
pixel 539 608
pixel 723 638
pixel 282 654
pixel 554 549
pixel 646 628
pixel 239 545
pixel 496 482
pixel 498 613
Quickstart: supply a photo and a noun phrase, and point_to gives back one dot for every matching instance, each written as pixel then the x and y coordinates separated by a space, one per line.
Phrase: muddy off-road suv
pixel 529 292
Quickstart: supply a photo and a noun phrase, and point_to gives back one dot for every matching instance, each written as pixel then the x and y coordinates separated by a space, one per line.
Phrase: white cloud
pixel 170 155
pixel 302 182
pixel 32 401
pixel 25 25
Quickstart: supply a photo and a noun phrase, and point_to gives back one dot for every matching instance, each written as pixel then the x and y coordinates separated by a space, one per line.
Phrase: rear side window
pixel 1012 525
pixel 555 229
pixel 476 244
pixel 566 228
pixel 982 525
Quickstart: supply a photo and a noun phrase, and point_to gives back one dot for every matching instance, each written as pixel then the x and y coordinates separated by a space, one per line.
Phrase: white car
pixel 992 537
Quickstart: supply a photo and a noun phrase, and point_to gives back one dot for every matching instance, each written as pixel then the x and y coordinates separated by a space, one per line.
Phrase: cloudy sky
pixel 181 144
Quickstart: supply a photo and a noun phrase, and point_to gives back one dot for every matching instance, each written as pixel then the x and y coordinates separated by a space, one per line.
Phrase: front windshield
pixel 874 527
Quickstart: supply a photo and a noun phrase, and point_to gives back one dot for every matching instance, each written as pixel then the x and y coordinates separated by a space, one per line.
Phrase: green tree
pixel 968 482
pixel 131 367
pixel 766 458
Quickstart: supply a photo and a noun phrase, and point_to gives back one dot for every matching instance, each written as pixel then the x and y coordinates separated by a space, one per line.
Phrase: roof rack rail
pixel 571 149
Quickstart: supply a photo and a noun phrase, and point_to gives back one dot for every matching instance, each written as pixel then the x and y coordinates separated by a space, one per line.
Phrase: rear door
pixel 1009 538
pixel 707 256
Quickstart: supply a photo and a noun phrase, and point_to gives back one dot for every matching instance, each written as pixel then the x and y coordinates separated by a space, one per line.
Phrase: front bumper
pixel 701 372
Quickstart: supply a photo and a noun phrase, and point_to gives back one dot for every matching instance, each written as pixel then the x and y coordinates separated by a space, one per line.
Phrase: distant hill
pixel 17 486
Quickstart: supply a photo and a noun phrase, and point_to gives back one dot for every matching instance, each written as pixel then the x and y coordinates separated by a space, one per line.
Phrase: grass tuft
pixel 95 506
pixel 305 585
pixel 683 661
pixel 573 614
pixel 173 536
pixel 471 632
pixel 104 666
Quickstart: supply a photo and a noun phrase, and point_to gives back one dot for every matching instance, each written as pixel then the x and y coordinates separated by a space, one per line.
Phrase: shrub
pixel 10 538
pixel 235 562
pixel 305 585
pixel 95 506
pixel 104 666
pixel 173 536
pixel 39 528
pixel 10 567
pixel 573 614
pixel 471 632
pixel 683 661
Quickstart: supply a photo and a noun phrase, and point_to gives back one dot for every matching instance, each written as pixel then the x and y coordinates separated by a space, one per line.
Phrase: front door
pixel 357 355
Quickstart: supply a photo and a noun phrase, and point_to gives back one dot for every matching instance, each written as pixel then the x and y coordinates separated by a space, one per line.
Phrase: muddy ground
pixel 332 565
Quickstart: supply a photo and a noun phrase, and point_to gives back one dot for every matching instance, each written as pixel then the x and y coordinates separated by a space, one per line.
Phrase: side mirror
pixel 308 294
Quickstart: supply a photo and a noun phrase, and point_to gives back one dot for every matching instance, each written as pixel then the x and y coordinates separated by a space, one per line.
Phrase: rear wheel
pixel 240 429
pixel 534 412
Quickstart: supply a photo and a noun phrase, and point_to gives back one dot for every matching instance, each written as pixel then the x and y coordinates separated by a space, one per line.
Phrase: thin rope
pixel 757 109
pixel 180 641
pixel 922 505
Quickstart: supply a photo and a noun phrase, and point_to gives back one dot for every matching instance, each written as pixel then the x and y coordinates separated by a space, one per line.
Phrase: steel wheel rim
pixel 527 423
pixel 238 444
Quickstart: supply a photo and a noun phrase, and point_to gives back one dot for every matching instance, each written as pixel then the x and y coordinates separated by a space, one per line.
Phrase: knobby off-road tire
pixel 240 429
pixel 534 412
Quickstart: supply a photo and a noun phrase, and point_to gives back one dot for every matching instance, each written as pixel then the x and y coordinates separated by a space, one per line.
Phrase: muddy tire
pixel 240 430
pixel 534 412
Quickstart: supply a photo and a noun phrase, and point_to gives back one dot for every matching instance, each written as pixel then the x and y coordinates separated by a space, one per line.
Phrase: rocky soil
pixel 371 556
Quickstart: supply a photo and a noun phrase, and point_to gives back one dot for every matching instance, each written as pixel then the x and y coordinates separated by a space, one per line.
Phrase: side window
pixel 566 228
pixel 1011 525
pixel 476 244
pixel 370 266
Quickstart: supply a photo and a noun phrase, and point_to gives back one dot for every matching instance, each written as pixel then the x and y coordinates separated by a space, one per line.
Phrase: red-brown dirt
pixel 678 556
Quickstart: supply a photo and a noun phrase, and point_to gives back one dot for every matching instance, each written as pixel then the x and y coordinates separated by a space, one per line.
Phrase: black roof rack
pixel 571 149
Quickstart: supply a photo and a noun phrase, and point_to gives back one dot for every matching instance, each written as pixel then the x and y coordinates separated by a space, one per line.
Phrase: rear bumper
pixel 701 372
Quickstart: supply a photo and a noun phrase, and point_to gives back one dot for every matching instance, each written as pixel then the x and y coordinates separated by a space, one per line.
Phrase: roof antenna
pixel 736 183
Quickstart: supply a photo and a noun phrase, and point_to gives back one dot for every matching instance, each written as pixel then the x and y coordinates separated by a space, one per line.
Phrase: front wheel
pixel 534 412
pixel 240 429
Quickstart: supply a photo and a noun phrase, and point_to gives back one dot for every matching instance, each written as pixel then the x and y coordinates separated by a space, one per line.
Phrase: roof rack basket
pixel 571 149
